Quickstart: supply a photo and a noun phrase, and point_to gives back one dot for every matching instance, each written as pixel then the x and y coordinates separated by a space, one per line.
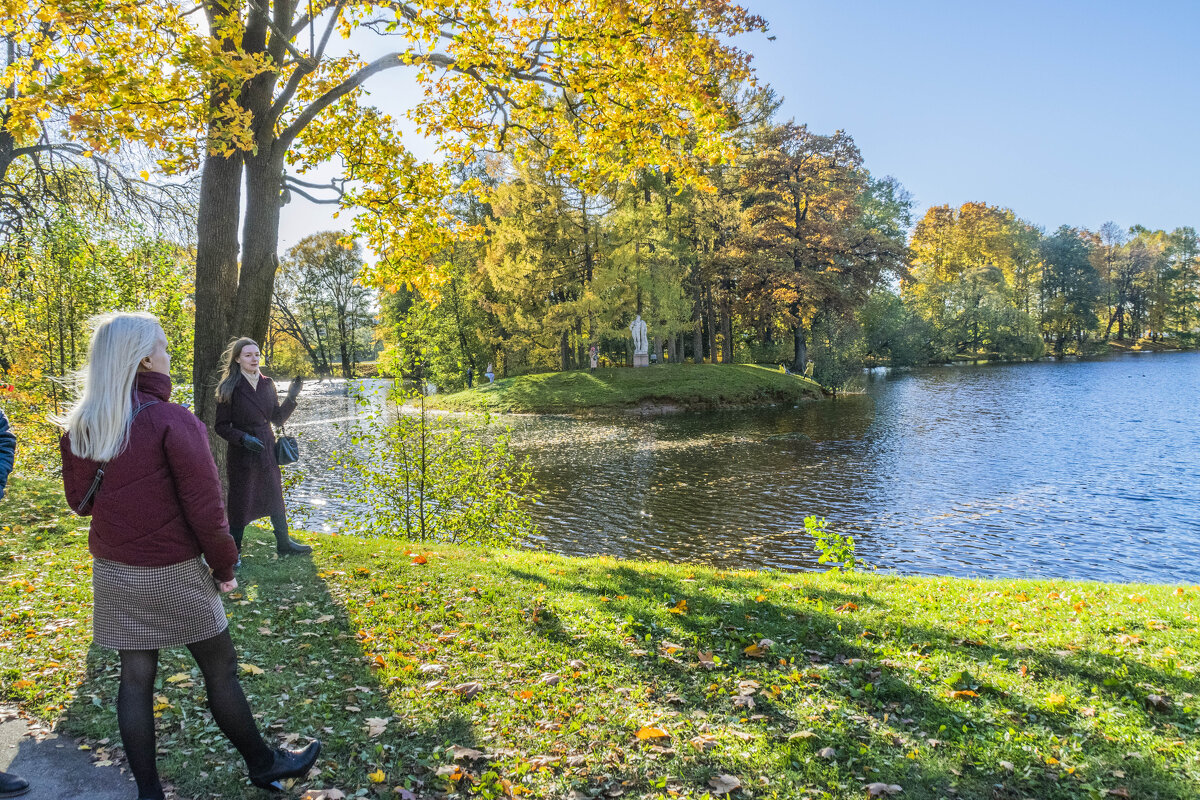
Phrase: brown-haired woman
pixel 247 405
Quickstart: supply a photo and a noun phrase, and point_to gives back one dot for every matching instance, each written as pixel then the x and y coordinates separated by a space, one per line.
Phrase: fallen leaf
pixel 963 694
pixel 457 752
pixel 250 669
pixel 801 735
pixel 179 677
pixel 468 690
pixel 323 794
pixel 377 776
pixel 420 560
pixel 880 789
pixel 827 752
pixel 651 733
pixel 1008 765
pixel 724 784
pixel 450 772
pixel 376 726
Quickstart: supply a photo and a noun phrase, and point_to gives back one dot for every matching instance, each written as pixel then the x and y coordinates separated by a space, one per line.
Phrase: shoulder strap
pixel 99 478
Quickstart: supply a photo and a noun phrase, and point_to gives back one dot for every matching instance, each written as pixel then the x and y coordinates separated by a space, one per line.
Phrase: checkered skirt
pixel 145 608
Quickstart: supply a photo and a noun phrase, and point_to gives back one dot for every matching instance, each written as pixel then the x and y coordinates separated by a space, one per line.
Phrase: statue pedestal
pixel 641 359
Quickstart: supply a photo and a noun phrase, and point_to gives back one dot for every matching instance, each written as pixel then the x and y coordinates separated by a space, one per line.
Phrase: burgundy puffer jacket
pixel 160 501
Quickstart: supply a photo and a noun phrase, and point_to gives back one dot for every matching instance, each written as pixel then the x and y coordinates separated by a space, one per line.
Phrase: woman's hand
pixel 294 388
pixel 252 443
pixel 227 586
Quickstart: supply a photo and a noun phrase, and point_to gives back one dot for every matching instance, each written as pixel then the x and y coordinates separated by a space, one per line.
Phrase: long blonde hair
pixel 232 373
pixel 99 420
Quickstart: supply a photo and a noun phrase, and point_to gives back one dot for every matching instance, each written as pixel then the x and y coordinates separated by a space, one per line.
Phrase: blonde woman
pixel 247 406
pixel 140 466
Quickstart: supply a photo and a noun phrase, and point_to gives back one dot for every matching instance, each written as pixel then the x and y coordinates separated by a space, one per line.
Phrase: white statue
pixel 641 345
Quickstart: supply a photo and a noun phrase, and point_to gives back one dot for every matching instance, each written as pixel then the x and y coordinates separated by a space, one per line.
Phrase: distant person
pixel 490 374
pixel 160 543
pixel 247 404
pixel 10 785
pixel 470 376
pixel 594 356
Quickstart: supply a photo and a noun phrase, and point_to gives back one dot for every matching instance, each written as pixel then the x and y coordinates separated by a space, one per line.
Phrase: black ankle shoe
pixel 287 546
pixel 288 764
pixel 12 786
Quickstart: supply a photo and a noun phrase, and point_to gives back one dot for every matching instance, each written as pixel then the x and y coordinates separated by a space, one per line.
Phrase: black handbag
pixel 287 449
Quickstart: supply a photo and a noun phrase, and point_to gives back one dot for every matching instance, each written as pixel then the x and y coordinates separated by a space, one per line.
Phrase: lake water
pixel 1052 469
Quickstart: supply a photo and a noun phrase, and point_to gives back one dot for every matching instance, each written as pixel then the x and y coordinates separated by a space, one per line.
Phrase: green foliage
pixel 55 277
pixel 892 333
pixel 837 352
pixel 834 548
pixel 430 477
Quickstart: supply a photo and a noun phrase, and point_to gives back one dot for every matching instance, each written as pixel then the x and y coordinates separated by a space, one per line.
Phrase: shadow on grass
pixel 873 711
pixel 305 676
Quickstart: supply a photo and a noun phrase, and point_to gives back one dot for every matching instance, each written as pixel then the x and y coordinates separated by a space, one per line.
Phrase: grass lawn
pixel 446 671
pixel 684 386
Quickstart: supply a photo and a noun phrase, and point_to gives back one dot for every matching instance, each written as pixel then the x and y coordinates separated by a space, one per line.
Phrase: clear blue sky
pixel 1068 112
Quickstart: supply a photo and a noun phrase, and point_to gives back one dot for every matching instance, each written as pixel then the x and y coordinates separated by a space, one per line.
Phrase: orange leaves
pixel 846 608
pixel 679 608
pixel 963 694
pixel 420 559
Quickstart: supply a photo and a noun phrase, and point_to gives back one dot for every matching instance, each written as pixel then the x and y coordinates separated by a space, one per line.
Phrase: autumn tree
pixel 1069 289
pixel 63 140
pixel 628 76
pixel 808 248
pixel 320 302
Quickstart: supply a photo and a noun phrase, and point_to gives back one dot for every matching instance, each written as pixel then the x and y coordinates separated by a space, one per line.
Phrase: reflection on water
pixel 1078 469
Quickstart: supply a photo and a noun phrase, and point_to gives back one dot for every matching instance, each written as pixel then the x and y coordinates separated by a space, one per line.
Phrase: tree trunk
pixel 710 321
pixel 672 351
pixel 800 359
pixel 216 279
pixel 726 332
pixel 564 351
pixel 260 239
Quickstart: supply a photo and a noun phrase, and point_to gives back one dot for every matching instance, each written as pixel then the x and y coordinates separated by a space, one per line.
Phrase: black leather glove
pixel 252 443
pixel 294 389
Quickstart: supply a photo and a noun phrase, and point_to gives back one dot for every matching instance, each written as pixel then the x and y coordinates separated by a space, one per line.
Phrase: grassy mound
pixel 657 388
pixel 500 673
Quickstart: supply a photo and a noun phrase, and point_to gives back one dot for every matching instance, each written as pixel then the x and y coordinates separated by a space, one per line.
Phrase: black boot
pixel 284 544
pixel 12 786
pixel 288 764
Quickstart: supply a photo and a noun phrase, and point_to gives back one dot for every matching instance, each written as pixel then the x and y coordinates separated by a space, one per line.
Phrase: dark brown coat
pixel 255 489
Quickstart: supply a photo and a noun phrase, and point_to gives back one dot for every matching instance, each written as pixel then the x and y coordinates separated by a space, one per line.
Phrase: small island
pixel 659 389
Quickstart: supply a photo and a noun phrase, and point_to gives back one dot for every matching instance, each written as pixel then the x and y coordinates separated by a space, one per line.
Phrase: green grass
pixel 683 386
pixel 945 687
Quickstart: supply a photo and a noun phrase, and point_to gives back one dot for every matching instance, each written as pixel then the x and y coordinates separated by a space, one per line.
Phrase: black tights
pixel 135 709
pixel 278 523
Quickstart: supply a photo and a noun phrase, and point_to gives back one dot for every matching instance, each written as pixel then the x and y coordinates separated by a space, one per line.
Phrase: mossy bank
pixel 434 671
pixel 655 389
